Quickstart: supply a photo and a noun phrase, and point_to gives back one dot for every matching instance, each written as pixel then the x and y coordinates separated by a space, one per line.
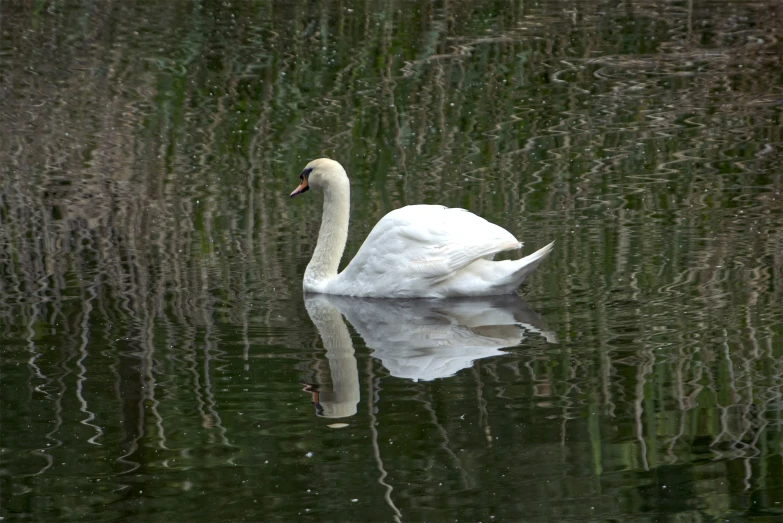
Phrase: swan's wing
pixel 443 240
pixel 427 242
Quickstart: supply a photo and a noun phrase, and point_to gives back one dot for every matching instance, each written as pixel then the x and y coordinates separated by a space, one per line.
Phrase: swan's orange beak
pixel 302 187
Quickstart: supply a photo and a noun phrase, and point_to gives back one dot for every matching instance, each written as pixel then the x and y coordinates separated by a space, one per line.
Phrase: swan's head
pixel 320 174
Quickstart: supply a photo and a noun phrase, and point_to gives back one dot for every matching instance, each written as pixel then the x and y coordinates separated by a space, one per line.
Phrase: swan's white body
pixel 416 251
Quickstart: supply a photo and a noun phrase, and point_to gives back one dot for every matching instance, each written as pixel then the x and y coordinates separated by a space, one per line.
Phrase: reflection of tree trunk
pixel 444 435
pixel 131 388
pixel 373 391
pixel 84 339
pixel 213 419
pixel 483 417
pixel 641 404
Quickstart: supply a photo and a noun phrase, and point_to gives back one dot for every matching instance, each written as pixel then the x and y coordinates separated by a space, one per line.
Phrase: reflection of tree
pixel 147 152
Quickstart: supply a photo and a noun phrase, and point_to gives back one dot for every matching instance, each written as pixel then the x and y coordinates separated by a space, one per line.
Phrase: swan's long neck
pixel 332 237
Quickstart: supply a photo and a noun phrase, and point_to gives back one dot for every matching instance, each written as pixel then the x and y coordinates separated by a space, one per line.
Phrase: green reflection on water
pixel 154 336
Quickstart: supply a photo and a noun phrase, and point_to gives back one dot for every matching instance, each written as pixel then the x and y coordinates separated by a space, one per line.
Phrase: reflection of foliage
pixel 148 150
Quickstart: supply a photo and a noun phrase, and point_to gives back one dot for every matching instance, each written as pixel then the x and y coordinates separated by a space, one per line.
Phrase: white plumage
pixel 415 251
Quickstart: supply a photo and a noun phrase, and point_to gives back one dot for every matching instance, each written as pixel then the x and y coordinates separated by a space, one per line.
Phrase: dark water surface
pixel 155 339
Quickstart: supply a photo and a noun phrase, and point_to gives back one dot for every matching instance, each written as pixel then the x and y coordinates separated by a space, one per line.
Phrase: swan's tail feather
pixel 484 277
pixel 525 266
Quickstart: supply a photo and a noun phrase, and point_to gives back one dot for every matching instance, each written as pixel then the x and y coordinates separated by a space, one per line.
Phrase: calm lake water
pixel 159 359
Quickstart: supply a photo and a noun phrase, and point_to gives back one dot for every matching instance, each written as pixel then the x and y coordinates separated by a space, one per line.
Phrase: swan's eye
pixel 305 174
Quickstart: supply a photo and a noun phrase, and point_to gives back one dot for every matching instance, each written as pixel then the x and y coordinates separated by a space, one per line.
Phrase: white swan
pixel 417 251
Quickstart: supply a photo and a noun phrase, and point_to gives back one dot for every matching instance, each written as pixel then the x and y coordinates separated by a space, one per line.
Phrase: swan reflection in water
pixel 417 339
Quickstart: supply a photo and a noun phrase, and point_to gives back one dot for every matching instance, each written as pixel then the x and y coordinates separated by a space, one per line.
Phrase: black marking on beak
pixel 304 186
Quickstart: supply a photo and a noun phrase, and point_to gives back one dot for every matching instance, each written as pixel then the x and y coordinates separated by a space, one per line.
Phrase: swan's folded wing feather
pixel 428 241
pixel 432 267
